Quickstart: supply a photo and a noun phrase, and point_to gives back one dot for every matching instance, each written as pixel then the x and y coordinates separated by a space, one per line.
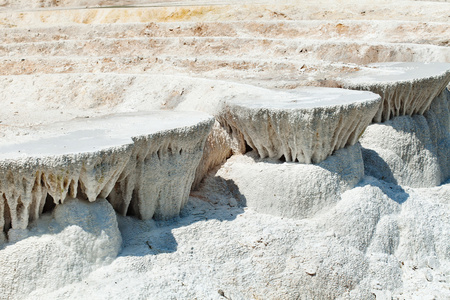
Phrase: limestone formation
pixel 293 190
pixel 84 236
pixel 349 225
pixel 143 162
pixel 406 88
pixel 306 126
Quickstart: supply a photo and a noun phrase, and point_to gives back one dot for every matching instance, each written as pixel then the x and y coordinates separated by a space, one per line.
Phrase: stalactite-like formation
pixel 405 88
pixel 307 127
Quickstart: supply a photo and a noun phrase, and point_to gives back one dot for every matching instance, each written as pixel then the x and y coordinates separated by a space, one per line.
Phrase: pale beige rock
pixel 410 151
pixel 290 189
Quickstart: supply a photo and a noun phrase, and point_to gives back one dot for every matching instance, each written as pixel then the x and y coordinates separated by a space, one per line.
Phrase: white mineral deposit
pixel 411 150
pixel 224 149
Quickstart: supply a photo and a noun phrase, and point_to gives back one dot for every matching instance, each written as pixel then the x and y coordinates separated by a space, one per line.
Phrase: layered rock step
pixel 406 88
pixel 411 150
pixel 303 10
pixel 144 163
pixel 304 126
pixel 65 96
pixel 347 51
pixel 270 73
pixel 433 33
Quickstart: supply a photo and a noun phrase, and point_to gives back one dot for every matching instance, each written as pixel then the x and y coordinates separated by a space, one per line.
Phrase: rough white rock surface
pixel 412 151
pixel 431 33
pixel 378 239
pixel 64 96
pixel 146 160
pixel 305 126
pixel 291 190
pixel 60 249
pixel 405 88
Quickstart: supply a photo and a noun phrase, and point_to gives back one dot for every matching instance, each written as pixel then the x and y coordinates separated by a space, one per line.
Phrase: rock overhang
pixel 406 88
pixel 305 126
pixel 121 157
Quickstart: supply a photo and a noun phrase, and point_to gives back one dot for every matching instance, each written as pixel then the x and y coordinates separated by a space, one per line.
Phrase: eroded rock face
pixel 146 160
pixel 290 189
pixel 222 142
pixel 305 126
pixel 412 151
pixel 405 88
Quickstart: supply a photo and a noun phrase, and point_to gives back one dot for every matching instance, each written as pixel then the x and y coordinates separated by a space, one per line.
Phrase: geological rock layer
pixel 293 190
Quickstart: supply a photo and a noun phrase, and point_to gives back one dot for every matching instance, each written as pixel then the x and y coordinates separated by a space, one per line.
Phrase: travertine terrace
pixel 406 88
pixel 230 149
pixel 305 126
pixel 150 156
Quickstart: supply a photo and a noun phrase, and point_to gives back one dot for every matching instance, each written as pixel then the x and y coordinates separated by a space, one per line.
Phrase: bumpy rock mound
pixel 306 126
pixel 290 189
pixel 377 239
pixel 146 160
pixel 80 238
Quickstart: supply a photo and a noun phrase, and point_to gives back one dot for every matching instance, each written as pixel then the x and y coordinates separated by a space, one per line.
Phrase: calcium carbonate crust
pixel 411 150
pixel 292 190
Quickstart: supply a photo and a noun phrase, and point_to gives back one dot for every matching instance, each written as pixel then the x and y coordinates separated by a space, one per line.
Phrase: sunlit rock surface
pixel 306 126
pixel 143 160
pixel 406 88
pixel 78 238
pixel 378 240
pixel 412 151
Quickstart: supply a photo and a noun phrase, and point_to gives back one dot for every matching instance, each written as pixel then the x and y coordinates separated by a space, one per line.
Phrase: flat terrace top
pixel 96 134
pixel 391 72
pixel 307 98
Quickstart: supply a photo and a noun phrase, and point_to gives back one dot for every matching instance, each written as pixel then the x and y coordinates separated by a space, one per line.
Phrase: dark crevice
pixel 248 148
pixel 133 207
pixel 80 194
pixel 49 204
pixel 7 215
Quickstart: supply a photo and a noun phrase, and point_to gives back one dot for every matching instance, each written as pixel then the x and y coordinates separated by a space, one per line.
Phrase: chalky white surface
pixel 293 190
pixel 412 151
pixel 399 241
pixel 379 240
pixel 76 239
